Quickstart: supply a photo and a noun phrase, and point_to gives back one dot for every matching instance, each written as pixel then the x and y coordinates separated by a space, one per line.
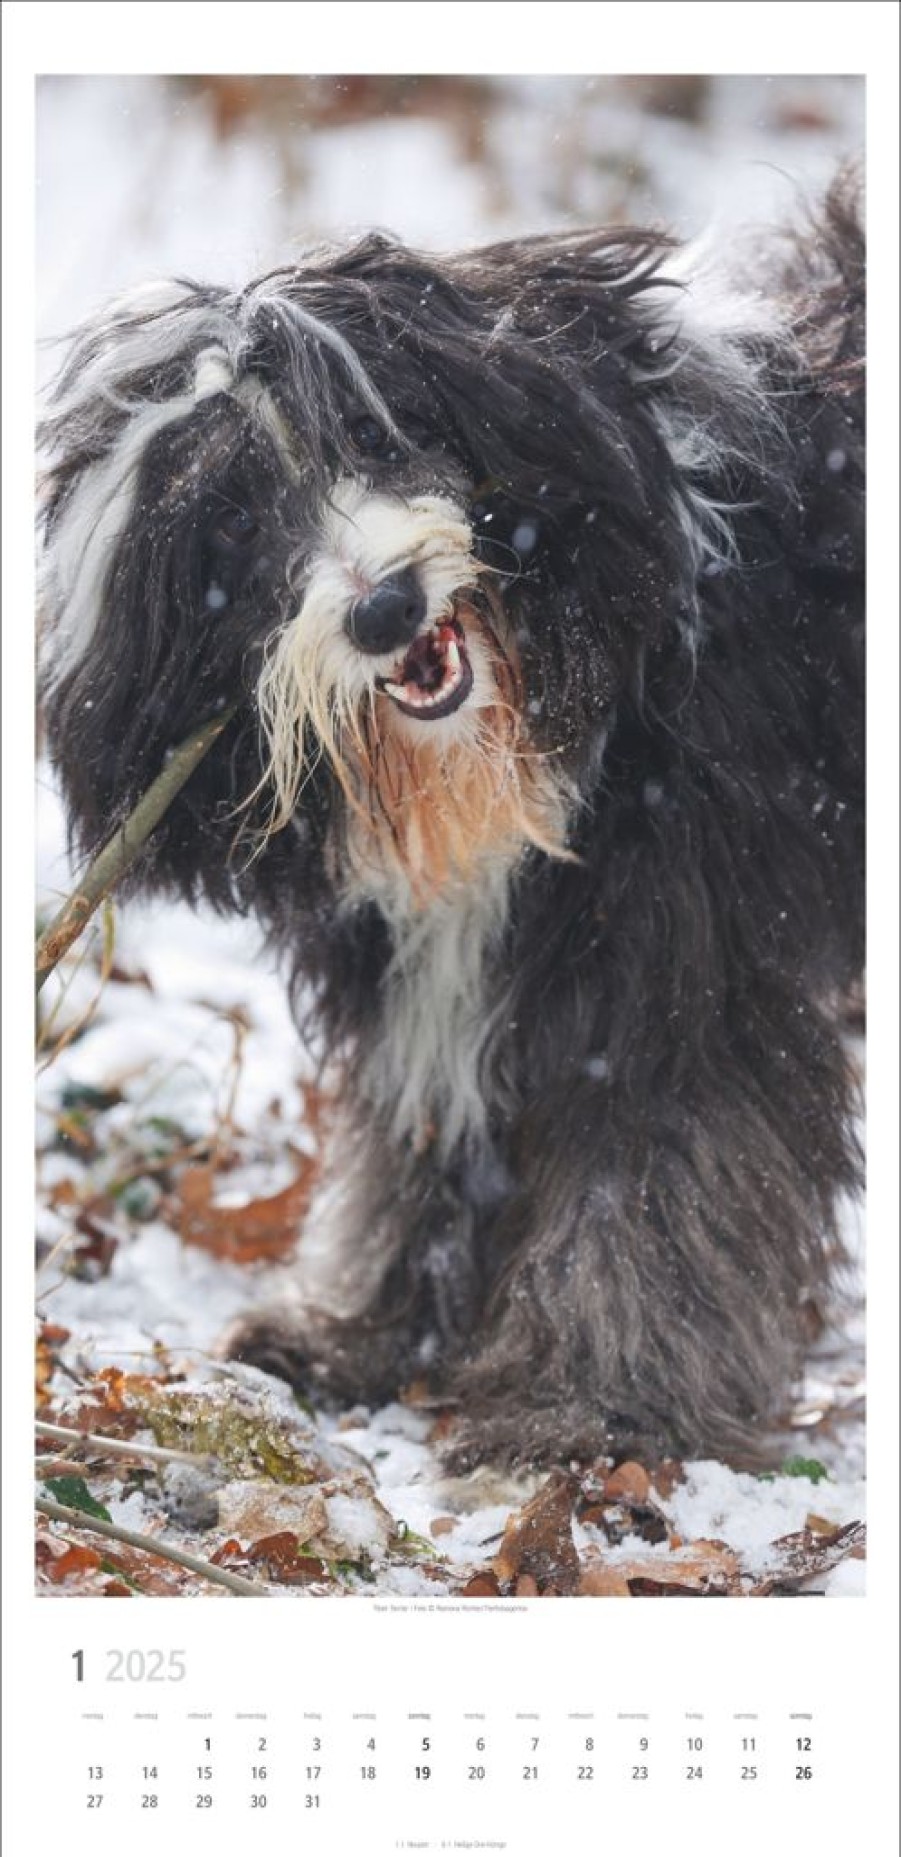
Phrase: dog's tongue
pixel 424 664
pixel 436 675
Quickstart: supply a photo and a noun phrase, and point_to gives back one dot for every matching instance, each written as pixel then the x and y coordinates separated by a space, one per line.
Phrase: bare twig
pixel 225 1131
pixel 82 1019
pixel 65 987
pixel 120 1447
pixel 119 854
pixel 149 1544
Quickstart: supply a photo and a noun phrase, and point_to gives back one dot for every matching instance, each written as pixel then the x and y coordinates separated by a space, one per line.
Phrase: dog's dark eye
pixel 236 527
pixel 370 437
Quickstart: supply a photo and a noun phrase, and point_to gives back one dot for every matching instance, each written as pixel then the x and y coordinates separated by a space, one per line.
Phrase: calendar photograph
pixel 450 898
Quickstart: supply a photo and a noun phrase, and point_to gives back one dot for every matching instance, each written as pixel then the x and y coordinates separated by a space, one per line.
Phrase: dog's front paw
pixel 261 1341
pixel 518 1440
pixel 327 1362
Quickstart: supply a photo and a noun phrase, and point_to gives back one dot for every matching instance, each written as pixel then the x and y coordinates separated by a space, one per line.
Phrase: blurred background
pixel 219 176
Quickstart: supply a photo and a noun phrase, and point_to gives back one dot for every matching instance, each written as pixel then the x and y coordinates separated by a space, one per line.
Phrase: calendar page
pixel 451 1005
pixel 453 1725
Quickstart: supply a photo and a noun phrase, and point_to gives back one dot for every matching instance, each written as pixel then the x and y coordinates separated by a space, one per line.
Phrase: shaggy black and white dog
pixel 535 574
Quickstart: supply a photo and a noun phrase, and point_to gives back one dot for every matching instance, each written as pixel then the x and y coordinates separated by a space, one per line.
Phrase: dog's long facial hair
pixel 535 574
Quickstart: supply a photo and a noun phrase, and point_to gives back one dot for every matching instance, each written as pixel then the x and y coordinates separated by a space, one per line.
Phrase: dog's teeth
pixel 452 667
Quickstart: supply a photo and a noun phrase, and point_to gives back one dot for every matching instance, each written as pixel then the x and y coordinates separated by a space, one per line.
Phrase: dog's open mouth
pixel 435 677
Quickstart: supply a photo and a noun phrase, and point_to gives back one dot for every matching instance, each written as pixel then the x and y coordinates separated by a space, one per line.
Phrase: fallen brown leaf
pixel 593 1515
pixel 341 1519
pixel 50 1338
pixel 706 1567
pixel 229 1551
pixel 603 1583
pixel 104 1405
pixel 629 1482
pixel 73 1559
pixel 622 1503
pixel 437 1572
pixel 538 1539
pixel 258 1509
pixel 263 1228
pixel 111 1383
pixel 280 1556
pixel 667 1476
pixel 63 1193
pixel 155 1577
pixel 98 1241
pixel 481 1586
pixel 823 1529
pixel 44 1365
pixel 806 1556
pixel 54 1334
pixel 282 1559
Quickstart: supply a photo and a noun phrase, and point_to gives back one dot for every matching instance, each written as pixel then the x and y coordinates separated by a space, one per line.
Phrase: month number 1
pixel 138 1666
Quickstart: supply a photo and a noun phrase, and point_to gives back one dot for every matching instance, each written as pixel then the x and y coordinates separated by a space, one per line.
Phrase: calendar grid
pixel 432 1769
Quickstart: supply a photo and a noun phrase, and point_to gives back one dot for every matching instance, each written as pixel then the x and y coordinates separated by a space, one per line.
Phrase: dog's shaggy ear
pixel 536 360
pixel 133 654
pixel 521 337
pixel 595 373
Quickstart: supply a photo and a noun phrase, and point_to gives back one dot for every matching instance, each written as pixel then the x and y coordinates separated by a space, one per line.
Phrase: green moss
pixel 404 1541
pixel 809 1467
pixel 247 1444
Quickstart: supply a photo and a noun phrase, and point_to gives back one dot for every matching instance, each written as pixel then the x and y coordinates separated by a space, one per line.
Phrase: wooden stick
pixel 120 852
pixel 119 1447
pixel 218 1576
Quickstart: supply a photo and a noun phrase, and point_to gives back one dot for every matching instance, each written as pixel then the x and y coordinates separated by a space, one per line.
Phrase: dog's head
pixel 425 519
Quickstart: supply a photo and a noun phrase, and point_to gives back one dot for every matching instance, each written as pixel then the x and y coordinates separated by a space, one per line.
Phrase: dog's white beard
pixel 315 682
pixel 430 805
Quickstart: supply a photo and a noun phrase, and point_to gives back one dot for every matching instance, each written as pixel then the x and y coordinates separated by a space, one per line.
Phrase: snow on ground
pixel 135 181
pixel 167 1056
pixel 750 1514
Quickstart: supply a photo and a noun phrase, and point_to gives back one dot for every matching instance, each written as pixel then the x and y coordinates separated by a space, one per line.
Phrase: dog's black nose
pixel 389 616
